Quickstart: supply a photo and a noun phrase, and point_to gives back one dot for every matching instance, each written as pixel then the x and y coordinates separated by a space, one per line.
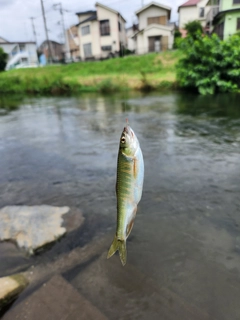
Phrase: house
pixel 192 10
pixel 155 32
pixel 56 53
pixel 225 17
pixel 20 54
pixel 129 33
pixel 72 45
pixel 101 33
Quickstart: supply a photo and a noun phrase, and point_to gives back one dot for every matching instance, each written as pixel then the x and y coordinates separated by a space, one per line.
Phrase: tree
pixel 210 65
pixel 193 28
pixel 3 60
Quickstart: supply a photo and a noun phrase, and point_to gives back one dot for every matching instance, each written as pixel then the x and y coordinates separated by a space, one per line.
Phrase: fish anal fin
pixel 130 225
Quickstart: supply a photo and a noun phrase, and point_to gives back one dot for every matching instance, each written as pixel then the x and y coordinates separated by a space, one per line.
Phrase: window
pixel 22 47
pixel 236 1
pixel 85 30
pixel 201 12
pixel 158 20
pixel 238 23
pixel 87 48
pixel 104 28
pixel 119 26
pixel 106 48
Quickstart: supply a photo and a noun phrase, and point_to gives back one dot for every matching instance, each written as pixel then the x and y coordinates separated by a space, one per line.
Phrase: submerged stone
pixel 32 227
pixel 11 287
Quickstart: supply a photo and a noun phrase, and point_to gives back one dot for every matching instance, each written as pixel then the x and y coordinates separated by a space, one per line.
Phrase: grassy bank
pixel 147 72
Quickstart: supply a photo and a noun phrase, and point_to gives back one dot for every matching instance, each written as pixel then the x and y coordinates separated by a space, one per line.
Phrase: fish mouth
pixel 128 131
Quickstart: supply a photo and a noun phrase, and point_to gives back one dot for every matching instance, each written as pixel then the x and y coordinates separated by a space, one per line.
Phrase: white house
pixel 101 33
pixel 193 10
pixel 155 32
pixel 20 54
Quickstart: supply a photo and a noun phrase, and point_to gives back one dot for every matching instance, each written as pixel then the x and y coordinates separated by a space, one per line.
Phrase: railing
pixel 212 13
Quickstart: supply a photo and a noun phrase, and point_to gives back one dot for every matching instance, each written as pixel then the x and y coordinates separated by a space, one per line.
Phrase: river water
pixel 185 244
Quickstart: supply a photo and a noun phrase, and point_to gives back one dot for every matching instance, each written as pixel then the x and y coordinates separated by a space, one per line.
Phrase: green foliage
pixel 210 65
pixel 193 28
pixel 3 60
pixel 177 36
pixel 108 86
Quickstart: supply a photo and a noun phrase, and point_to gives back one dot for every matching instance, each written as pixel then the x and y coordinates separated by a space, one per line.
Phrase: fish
pixel 129 185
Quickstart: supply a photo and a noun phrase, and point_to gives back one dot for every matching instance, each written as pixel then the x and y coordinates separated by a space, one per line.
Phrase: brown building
pixel 56 50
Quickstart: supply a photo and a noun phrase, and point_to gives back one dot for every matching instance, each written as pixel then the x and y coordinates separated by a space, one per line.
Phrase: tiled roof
pixel 86 12
pixel 92 18
pixel 190 3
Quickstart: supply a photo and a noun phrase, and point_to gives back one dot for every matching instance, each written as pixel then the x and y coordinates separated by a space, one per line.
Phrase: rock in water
pixel 32 226
pixel 10 287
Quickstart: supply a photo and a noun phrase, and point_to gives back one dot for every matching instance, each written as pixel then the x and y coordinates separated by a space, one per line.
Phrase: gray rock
pixel 32 227
pixel 11 287
pixel 56 299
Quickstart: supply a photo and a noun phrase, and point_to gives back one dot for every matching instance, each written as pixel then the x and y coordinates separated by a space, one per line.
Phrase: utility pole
pixel 34 31
pixel 63 26
pixel 142 3
pixel 46 31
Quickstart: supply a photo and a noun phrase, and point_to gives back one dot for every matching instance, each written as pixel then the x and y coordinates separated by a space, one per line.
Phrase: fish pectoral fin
pixel 118 245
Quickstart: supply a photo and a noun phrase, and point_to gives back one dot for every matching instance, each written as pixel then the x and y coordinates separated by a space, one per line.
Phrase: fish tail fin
pixel 118 245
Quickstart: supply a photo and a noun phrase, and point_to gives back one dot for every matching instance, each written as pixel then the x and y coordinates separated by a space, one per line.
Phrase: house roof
pixel 82 13
pixel 92 18
pixel 189 3
pixel 2 40
pixel 155 26
pixel 154 4
pixel 110 9
pixel 222 13
pixel 18 42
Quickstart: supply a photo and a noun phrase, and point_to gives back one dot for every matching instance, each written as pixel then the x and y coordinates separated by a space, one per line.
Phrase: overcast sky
pixel 15 23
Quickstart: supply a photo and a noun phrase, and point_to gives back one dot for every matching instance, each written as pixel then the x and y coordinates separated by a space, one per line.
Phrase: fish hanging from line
pixel 130 175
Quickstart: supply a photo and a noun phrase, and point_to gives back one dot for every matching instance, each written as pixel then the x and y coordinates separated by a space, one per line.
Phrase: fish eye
pixel 123 140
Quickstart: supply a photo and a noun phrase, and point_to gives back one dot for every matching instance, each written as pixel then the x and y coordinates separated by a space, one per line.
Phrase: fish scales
pixel 130 175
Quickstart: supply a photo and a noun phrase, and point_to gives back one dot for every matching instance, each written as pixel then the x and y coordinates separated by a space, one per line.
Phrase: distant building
pixel 155 33
pixel 73 44
pixel 224 17
pixel 20 54
pixel 129 33
pixel 101 33
pixel 190 11
pixel 56 50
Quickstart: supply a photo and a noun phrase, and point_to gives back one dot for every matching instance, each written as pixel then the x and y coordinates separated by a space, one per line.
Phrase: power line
pixel 63 24
pixel 34 31
pixel 46 31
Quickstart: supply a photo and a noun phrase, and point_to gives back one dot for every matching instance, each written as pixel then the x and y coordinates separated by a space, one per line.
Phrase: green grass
pixel 131 72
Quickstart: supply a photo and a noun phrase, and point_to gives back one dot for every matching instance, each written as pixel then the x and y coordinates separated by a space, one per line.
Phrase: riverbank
pixel 147 72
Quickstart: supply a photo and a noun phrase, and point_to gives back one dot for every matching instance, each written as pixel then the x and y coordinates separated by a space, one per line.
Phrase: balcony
pixel 211 14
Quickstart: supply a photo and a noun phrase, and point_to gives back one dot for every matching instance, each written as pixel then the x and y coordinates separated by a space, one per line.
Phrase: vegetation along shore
pixel 147 72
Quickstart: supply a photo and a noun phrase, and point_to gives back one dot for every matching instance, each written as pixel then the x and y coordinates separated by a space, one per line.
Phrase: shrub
pixel 3 59
pixel 177 36
pixel 193 28
pixel 210 65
